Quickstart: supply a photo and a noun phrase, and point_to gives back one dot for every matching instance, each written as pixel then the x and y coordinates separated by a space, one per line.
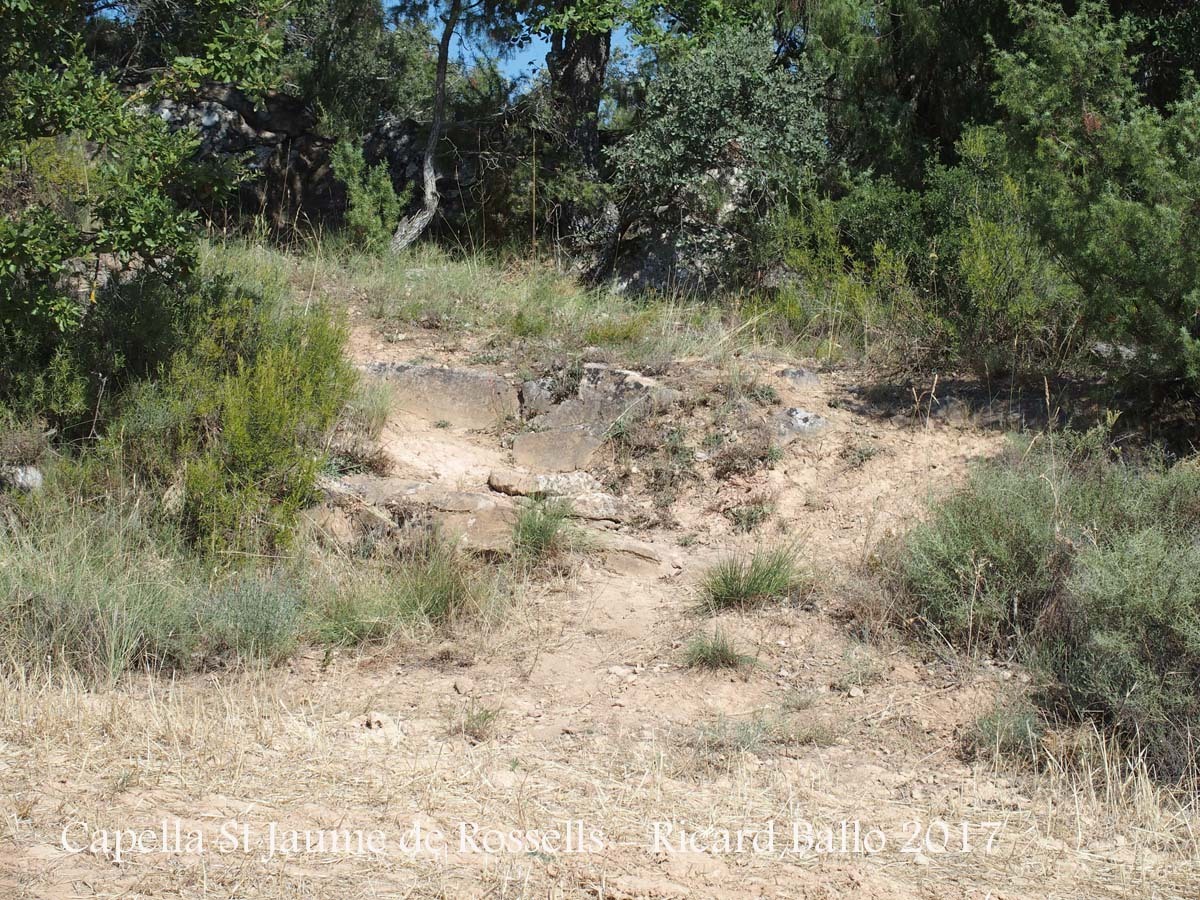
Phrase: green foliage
pixel 373 209
pixel 352 68
pixel 539 532
pixel 1110 179
pixel 715 651
pixel 988 563
pixel 727 106
pixel 906 76
pixel 1134 641
pixel 1083 563
pixel 740 583
pixel 725 132
pixel 88 180
pixel 235 423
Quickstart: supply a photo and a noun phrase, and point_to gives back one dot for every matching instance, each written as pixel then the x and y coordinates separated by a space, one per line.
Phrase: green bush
pixel 372 206
pixel 988 563
pixel 1084 564
pixel 234 424
pixel 724 133
pixel 90 184
pixel 1109 179
pixel 1131 651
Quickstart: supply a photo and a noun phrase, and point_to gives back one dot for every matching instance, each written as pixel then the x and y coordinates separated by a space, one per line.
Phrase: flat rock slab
pixel 629 556
pixel 555 484
pixel 478 521
pixel 604 395
pixel 461 397
pixel 560 450
pixel 624 387
pixel 792 423
pixel 580 489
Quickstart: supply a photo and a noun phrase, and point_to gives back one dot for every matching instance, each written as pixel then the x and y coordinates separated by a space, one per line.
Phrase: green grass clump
pixel 741 582
pixel 1011 730
pixel 1085 564
pixel 540 532
pixel 749 516
pixel 714 651
pixel 97 593
pixel 254 616
pixel 91 593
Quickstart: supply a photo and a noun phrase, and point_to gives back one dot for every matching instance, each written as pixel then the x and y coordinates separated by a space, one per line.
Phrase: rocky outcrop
pixel 458 397
pixel 26 479
pixel 582 491
pixel 277 138
pixel 572 427
pixel 559 450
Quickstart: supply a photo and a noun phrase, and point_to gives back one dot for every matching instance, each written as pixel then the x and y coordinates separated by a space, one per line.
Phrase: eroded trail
pixel 843 755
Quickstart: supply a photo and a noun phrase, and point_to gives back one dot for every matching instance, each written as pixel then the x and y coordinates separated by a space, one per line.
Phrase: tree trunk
pixel 411 227
pixel 577 62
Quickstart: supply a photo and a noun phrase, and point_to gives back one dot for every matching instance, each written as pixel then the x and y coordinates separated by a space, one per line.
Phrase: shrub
pixel 1110 179
pixel 372 206
pixel 745 582
pixel 1083 564
pixel 235 423
pixel 749 516
pixel 89 183
pixel 987 564
pixel 1131 652
pixel 724 132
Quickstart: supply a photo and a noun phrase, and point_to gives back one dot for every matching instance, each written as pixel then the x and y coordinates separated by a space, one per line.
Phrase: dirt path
pixel 840 758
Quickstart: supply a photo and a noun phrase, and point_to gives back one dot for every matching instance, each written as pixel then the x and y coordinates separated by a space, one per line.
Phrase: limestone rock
pixel 601 507
pixel 333 524
pixel 555 484
pixel 26 479
pixel 463 398
pixel 624 387
pixel 482 522
pixel 793 422
pixel 563 450
pixel 537 397
pixel 581 490
pixel 799 376
pixel 605 395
